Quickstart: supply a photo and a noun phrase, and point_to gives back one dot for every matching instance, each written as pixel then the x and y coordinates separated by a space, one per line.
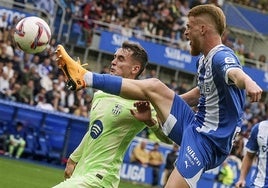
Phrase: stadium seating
pixel 78 128
pixel 55 127
pixel 41 150
pixel 7 114
pixel 47 133
pixel 31 143
pixel 30 117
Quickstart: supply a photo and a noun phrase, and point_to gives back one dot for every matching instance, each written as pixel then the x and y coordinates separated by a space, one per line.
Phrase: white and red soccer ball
pixel 32 34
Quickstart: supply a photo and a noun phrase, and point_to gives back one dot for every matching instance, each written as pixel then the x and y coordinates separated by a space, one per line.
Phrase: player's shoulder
pixel 263 125
pixel 225 54
pixel 100 93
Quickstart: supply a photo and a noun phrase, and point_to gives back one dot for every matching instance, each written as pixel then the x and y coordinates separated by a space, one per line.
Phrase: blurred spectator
pixel 152 74
pixel 169 163
pixel 126 29
pixel 184 7
pixel 81 111
pixel 173 85
pixel 250 59
pixel 45 67
pixel 155 161
pixel 226 38
pixel 53 96
pixel 4 82
pixel 16 140
pixel 143 75
pixel 9 49
pixel 263 62
pixel 46 81
pixel 240 54
pixel 13 92
pixel 26 93
pixel 41 94
pixel 8 69
pixel 182 88
pixel 184 43
pixel 4 56
pixel 91 11
pixel 239 45
pixel 140 155
pixel 105 69
pixel 43 104
pixel 3 27
pixel 195 3
pixel 47 5
pixel 226 174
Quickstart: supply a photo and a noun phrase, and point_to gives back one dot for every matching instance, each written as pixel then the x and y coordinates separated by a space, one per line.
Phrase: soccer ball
pixel 32 34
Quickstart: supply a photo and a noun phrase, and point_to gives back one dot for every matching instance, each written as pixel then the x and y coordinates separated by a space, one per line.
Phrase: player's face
pixel 192 33
pixel 123 64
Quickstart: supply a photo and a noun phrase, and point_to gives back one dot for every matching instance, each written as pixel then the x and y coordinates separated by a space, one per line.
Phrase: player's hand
pixel 240 184
pixel 253 91
pixel 143 112
pixel 70 166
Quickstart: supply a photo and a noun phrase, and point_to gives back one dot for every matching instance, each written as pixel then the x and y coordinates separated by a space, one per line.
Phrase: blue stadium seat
pixel 7 114
pixel 78 129
pixel 30 145
pixel 42 147
pixel 55 127
pixel 31 117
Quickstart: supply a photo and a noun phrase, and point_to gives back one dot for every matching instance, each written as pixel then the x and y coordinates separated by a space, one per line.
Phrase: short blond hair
pixel 215 14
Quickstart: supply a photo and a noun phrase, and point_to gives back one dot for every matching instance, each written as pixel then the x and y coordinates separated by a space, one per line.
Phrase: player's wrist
pixel 151 123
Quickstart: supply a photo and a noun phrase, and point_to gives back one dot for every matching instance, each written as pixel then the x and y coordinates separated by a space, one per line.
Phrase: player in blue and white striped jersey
pixel 205 137
pixel 257 145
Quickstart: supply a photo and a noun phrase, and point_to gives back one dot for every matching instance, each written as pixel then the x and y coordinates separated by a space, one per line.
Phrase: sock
pixel 20 151
pixel 88 79
pixel 11 149
pixel 105 82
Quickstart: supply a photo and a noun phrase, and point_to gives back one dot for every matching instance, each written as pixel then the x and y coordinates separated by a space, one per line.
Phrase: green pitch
pixel 24 174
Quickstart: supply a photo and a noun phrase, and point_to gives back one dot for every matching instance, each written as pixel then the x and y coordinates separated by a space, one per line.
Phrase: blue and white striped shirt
pixel 258 143
pixel 221 103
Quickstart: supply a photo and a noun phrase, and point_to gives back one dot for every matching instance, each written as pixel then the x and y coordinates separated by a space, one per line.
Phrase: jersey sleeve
pixel 77 153
pixel 224 62
pixel 252 144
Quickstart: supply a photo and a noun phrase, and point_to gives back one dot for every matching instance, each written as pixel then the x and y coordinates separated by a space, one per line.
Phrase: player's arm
pixel 74 158
pixel 191 97
pixel 143 113
pixel 70 166
pixel 246 165
pixel 243 81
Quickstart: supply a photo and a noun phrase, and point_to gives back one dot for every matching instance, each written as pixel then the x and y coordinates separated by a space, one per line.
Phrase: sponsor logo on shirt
pixel 96 129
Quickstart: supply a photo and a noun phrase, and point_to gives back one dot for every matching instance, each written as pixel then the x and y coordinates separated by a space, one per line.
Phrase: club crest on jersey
pixel 117 109
pixel 96 129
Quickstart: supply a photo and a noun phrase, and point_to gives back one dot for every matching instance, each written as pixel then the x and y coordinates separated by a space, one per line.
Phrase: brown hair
pixel 215 13
pixel 139 53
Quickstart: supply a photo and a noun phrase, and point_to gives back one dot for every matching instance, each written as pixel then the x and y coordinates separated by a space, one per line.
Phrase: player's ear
pixel 136 69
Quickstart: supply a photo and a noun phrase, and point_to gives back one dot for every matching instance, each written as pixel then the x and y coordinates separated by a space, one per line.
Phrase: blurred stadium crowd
pixel 36 80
